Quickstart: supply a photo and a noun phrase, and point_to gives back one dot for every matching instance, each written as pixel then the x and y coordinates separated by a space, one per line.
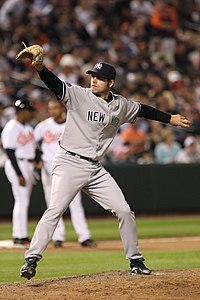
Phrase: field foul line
pixel 8 244
pixel 172 239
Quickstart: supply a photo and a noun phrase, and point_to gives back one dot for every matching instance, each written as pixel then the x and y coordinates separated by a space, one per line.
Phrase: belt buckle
pixel 78 156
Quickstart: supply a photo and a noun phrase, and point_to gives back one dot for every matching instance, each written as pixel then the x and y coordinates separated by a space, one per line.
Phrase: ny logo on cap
pixel 98 66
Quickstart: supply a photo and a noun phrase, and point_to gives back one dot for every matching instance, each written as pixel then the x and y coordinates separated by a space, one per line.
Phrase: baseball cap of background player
pixel 104 70
pixel 190 140
pixel 23 104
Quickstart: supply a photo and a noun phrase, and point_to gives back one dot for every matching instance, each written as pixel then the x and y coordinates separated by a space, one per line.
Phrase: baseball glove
pixel 35 53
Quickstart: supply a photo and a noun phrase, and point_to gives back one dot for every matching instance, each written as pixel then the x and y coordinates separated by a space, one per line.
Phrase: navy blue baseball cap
pixel 104 70
pixel 23 104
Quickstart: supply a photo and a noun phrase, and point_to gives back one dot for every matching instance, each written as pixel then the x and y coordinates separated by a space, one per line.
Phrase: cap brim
pixel 93 72
pixel 29 108
pixel 90 72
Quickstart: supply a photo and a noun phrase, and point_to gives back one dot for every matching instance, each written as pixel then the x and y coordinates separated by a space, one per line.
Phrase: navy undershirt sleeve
pixel 52 82
pixel 149 112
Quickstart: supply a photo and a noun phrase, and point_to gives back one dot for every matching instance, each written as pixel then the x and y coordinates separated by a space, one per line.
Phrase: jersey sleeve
pixel 9 137
pixel 63 90
pixel 132 109
pixel 38 132
pixel 74 96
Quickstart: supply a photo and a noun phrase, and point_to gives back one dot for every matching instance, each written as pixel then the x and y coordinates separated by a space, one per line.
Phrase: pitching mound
pixel 163 285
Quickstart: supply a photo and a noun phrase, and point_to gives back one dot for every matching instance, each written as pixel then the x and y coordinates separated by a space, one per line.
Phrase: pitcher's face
pixel 100 86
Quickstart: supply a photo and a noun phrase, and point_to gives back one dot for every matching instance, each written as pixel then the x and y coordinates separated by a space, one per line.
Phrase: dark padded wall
pixel 147 188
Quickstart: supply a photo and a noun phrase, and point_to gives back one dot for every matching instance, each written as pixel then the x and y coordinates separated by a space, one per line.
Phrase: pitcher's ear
pixel 111 83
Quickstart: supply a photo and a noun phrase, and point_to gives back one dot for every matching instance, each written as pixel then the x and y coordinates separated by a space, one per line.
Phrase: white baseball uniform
pixel 20 138
pixel 47 133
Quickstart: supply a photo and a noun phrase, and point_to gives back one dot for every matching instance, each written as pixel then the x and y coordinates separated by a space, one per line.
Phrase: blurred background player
pixel 46 135
pixel 18 142
pixel 190 152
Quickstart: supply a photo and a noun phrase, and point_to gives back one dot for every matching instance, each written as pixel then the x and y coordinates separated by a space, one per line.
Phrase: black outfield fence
pixel 148 189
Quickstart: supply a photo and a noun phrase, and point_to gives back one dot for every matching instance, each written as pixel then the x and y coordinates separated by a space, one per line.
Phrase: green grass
pixel 78 263
pixel 107 228
pixel 180 259
pixel 168 226
pixel 59 263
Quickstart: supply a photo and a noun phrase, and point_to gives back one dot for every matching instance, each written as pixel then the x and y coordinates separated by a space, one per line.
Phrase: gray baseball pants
pixel 70 175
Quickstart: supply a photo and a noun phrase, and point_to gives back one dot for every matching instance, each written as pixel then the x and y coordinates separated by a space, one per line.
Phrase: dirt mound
pixel 161 285
pixel 182 284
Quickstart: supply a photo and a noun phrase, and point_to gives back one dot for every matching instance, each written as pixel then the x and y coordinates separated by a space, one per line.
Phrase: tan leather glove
pixel 35 53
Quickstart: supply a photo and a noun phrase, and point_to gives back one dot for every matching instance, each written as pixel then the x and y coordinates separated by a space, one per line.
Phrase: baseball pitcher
pixel 94 116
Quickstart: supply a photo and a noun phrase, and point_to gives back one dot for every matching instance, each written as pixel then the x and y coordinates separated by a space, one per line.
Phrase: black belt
pixel 81 156
pixel 26 159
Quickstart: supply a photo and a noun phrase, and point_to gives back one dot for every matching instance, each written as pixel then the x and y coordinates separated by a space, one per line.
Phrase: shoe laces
pixel 137 263
pixel 31 261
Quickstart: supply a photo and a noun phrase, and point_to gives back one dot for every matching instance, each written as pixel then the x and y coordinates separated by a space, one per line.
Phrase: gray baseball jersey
pixel 92 121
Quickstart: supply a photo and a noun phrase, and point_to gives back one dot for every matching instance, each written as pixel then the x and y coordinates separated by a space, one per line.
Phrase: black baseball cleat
pixel 21 241
pixel 58 244
pixel 138 267
pixel 89 243
pixel 28 270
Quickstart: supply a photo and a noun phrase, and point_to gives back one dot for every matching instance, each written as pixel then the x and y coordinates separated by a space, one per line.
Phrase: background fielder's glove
pixel 35 53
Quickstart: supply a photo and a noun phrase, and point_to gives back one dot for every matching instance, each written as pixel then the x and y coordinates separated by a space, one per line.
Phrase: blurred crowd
pixel 153 44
